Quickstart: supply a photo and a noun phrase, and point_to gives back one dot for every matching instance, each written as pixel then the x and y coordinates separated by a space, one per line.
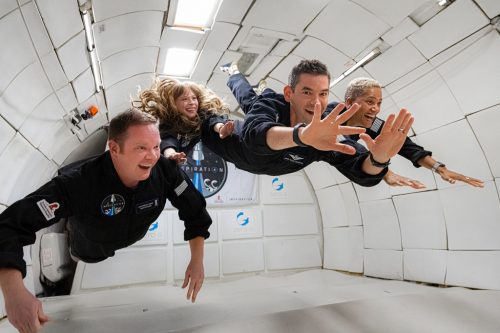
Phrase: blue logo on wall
pixel 277 185
pixel 242 220
pixel 153 226
pixel 207 171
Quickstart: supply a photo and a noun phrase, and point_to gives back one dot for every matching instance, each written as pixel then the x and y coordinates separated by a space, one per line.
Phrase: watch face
pixel 207 170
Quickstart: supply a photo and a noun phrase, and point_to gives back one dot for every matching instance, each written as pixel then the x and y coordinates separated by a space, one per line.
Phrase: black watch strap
pixel 378 164
pixel 295 135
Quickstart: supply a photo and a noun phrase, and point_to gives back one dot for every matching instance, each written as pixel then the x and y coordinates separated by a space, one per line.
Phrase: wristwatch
pixel 295 135
pixel 378 164
pixel 436 166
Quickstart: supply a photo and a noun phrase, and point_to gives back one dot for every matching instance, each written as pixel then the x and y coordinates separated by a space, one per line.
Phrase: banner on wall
pixel 220 182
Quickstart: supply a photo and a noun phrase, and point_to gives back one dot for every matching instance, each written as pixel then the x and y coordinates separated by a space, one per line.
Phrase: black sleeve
pixel 168 140
pixel 212 120
pixel 20 221
pixel 410 150
pixel 258 121
pixel 351 165
pixel 190 203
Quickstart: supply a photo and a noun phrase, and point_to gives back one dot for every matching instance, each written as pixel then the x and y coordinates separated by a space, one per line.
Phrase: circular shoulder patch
pixel 113 204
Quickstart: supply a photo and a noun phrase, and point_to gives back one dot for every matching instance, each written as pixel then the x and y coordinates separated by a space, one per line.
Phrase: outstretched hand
pixel 194 278
pixel 393 179
pixel 322 133
pixel 226 129
pixel 179 158
pixel 25 312
pixel 391 138
pixel 452 176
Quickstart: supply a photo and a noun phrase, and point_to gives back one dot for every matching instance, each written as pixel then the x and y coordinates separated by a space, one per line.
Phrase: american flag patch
pixel 377 124
pixel 179 189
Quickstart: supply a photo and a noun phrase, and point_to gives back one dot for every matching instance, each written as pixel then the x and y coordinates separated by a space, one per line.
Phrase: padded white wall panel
pixel 351 204
pixel 292 253
pixel 7 134
pixel 118 97
pixel 220 36
pixel 207 63
pixel 266 65
pixel 395 62
pixel 456 22
pixel 74 56
pixel 377 192
pixel 282 71
pixel 422 222
pixel 13 159
pixel 84 86
pixel 299 14
pixel 490 7
pixel 128 266
pixel 54 71
pixel 332 206
pixel 240 223
pixel 340 87
pixel 381 226
pixel 388 11
pixel 182 256
pixel 453 144
pixel 66 96
pixel 27 254
pixel 472 217
pixel 405 168
pixel 28 89
pixel 68 143
pixel 233 11
pixel 430 101
pixel 44 117
pixel 117 34
pixel 246 256
pixel 36 29
pixel 312 48
pixel 29 175
pixel 387 264
pixel 122 65
pixel 476 269
pixel 2 208
pixel 477 67
pixel 17 50
pixel 60 27
pixel 7 6
pixel 56 139
pixel 400 31
pixel 285 189
pixel 178 228
pixel 292 220
pixel 358 33
pixel 343 248
pixel 104 9
pixel 321 175
pixel 485 127
pixel 425 265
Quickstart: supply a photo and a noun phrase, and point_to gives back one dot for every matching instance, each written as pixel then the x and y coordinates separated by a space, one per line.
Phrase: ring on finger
pixel 401 129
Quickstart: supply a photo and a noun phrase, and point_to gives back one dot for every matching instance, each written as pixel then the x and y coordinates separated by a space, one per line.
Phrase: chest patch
pixel 112 205
pixel 147 206
pixel 294 158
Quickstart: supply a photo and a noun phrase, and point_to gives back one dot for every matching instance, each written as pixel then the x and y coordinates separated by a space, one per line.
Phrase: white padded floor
pixel 310 301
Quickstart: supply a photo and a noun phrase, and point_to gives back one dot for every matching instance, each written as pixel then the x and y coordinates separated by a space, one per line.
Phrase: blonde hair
pixel 159 101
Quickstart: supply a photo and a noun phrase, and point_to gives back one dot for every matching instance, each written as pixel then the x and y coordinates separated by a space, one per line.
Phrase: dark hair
pixel 119 125
pixel 314 67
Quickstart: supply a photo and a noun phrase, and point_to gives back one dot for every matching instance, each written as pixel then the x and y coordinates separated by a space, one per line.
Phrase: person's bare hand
pixel 393 179
pixel 452 176
pixel 226 129
pixel 179 158
pixel 322 134
pixel 391 138
pixel 194 277
pixel 25 312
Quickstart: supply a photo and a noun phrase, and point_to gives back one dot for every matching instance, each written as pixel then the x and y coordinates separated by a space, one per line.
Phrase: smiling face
pixel 136 154
pixel 187 103
pixel 309 90
pixel 369 102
